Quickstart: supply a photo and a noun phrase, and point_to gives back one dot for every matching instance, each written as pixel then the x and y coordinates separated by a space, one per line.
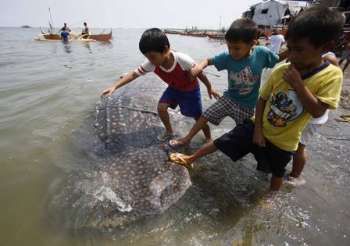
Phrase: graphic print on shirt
pixel 243 81
pixel 285 107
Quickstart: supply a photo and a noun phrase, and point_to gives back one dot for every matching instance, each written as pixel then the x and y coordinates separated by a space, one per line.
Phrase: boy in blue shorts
pixel 174 69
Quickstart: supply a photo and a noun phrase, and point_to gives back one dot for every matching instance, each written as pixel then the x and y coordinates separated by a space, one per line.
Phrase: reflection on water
pixel 48 90
pixel 87 45
pixel 67 47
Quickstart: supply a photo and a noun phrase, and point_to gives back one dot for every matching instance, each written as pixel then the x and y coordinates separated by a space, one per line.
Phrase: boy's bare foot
pixel 299 181
pixel 181 159
pixel 178 142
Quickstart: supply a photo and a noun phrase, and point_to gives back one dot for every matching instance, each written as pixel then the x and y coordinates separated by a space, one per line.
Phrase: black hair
pixel 243 29
pixel 85 24
pixel 153 39
pixel 320 25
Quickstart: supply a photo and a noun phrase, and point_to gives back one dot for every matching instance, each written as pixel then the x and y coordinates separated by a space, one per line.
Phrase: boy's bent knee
pixel 201 118
pixel 162 107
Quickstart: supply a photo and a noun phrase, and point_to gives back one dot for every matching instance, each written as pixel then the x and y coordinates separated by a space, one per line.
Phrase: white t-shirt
pixel 177 76
pixel 276 43
pixel 186 63
pixel 324 118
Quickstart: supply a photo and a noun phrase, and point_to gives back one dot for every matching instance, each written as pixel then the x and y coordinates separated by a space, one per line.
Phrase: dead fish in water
pixel 129 176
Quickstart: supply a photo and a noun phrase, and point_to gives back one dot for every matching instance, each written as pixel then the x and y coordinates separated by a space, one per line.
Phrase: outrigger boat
pixel 50 35
pixel 103 37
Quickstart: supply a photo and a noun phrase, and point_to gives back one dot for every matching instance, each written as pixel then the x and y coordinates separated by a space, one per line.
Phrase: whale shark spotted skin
pixel 128 175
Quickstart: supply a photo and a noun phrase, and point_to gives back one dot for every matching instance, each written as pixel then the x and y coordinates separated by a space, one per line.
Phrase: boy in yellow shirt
pixel 297 91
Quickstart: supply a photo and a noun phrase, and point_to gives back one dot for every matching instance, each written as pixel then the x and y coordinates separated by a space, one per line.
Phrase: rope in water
pixel 106 99
pixel 340 139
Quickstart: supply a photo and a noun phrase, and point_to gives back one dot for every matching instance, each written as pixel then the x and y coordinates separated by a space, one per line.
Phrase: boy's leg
pixel 235 144
pixel 300 157
pixel 164 117
pixel 199 125
pixel 206 149
pixel 276 183
pixel 277 159
pixel 206 131
pixel 167 100
pixel 187 160
pixel 299 160
pixel 346 65
pixel 214 114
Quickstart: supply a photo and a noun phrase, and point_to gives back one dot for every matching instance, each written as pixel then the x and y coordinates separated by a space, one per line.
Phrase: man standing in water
pixel 65 32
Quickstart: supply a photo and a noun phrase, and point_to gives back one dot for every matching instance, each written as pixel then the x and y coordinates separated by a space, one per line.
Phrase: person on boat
pixel 65 32
pixel 85 32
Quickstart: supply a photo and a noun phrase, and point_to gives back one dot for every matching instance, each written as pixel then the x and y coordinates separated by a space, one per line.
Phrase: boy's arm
pixel 264 94
pixel 206 82
pixel 258 137
pixel 332 59
pixel 198 69
pixel 132 75
pixel 283 55
pixel 311 103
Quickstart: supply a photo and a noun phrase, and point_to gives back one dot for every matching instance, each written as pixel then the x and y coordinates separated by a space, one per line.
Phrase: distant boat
pixel 26 26
pixel 50 35
pixel 220 35
pixel 169 31
pixel 195 34
pixel 216 35
pixel 102 37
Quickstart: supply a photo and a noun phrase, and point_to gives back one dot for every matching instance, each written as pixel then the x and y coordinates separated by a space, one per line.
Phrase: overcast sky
pixel 123 13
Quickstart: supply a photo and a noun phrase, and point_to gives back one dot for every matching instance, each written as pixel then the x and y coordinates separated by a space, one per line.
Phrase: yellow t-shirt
pixel 284 116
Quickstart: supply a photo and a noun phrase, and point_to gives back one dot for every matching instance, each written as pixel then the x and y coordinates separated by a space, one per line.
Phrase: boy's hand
pixel 292 76
pixel 108 92
pixel 212 93
pixel 259 138
pixel 196 70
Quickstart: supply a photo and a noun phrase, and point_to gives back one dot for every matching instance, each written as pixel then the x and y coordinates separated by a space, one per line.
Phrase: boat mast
pixel 50 21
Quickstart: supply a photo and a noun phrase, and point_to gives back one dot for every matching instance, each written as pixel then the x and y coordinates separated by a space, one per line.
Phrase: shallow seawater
pixel 48 91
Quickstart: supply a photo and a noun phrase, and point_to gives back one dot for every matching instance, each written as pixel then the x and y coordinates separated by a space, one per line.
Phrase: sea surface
pixel 47 91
